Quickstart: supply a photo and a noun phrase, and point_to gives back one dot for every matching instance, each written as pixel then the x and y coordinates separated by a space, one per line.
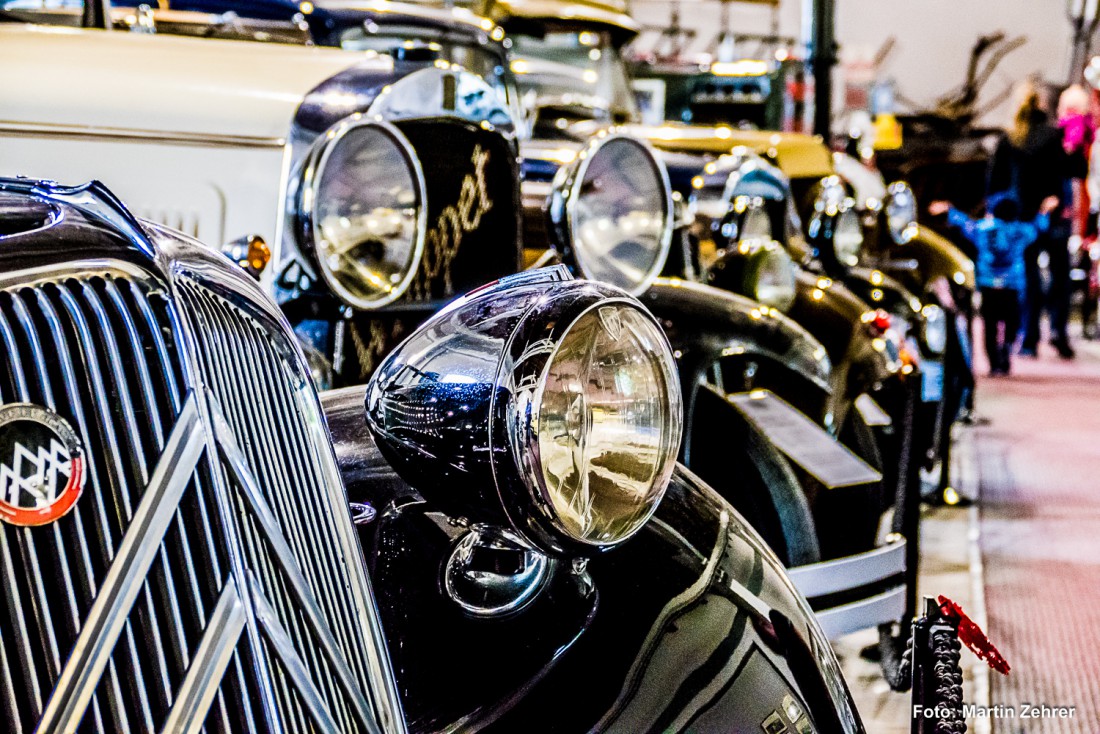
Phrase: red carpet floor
pixel 1036 467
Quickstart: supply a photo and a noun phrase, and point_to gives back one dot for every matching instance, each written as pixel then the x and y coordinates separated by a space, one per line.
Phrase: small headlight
pixel 771 278
pixel 616 207
pixel 901 212
pixel 560 415
pixel 934 328
pixel 361 208
pixel 848 237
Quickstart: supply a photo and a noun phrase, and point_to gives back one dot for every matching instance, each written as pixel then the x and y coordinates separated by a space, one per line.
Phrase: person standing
pixel 1000 239
pixel 1031 164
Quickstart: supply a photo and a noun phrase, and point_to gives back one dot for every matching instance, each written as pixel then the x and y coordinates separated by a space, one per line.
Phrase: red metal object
pixel 972 636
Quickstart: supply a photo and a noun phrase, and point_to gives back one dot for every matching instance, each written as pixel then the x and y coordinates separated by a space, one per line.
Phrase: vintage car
pixel 304 163
pixel 184 549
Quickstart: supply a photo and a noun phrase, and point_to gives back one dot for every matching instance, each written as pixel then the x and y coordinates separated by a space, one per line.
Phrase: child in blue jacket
pixel 1000 238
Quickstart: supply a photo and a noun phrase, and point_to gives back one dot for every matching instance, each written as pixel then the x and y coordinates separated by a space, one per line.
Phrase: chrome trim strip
pixel 125 579
pixel 121 134
pixel 886 607
pixel 297 585
pixel 850 572
pixel 204 675
pixel 295 669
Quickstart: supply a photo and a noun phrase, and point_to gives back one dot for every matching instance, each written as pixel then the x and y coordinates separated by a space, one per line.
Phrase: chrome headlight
pixel 901 212
pixel 560 416
pixel 848 237
pixel 614 210
pixel 934 328
pixel 361 208
pixel 771 277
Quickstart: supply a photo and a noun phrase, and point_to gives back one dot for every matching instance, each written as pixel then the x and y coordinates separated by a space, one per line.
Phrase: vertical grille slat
pixel 270 577
pixel 110 619
pixel 95 514
pixel 24 538
pixel 45 395
pixel 123 492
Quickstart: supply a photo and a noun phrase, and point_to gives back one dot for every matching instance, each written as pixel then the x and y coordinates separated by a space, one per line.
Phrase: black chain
pixel 949 680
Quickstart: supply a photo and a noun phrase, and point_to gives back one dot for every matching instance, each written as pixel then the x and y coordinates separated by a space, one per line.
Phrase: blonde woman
pixel 1031 164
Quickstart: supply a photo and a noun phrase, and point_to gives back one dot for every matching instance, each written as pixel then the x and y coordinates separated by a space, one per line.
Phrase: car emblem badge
pixel 42 465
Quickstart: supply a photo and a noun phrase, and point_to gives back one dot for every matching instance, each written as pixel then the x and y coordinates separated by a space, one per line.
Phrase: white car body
pixel 191 133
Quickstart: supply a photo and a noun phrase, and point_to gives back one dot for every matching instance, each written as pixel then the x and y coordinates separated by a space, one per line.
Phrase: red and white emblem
pixel 42 465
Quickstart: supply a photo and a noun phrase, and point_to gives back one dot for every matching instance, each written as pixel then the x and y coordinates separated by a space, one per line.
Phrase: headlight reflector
pixel 606 430
pixel 934 328
pixel 901 212
pixel 616 204
pixel 362 207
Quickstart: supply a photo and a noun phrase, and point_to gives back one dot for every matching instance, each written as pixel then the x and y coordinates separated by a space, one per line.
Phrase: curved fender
pixel 691 625
pixel 705 324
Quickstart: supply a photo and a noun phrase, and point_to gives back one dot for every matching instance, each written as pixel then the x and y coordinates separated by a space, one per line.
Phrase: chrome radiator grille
pixel 202 581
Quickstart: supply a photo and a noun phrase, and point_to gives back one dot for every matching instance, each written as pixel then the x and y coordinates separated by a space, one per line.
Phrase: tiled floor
pixel 1036 469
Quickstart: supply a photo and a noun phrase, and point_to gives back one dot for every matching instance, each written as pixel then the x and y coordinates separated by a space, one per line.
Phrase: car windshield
pixel 416 43
pixel 578 65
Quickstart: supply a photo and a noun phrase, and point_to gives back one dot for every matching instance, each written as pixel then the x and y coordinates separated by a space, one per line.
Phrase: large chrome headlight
pixel 901 212
pixel 848 237
pixel 560 415
pixel 612 209
pixel 361 211
pixel 934 329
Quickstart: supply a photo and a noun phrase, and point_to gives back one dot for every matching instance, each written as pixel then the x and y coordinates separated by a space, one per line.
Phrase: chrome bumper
pixel 853 572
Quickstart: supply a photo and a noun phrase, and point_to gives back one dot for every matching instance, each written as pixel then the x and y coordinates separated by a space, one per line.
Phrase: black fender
pixel 882 291
pixel 757 346
pixel 692 624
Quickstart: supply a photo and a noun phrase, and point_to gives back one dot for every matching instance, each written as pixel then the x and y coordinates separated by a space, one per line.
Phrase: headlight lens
pixel 901 212
pixel 619 214
pixel 848 237
pixel 606 424
pixel 934 328
pixel 363 198
pixel 771 278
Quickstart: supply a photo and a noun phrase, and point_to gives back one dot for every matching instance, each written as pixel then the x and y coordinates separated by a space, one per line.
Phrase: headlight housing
pixel 748 220
pixel 901 212
pixel 361 211
pixel 559 416
pixel 612 213
pixel 934 328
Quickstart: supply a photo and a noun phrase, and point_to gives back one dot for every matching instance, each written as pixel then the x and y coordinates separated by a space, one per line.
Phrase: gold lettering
pixel 453 223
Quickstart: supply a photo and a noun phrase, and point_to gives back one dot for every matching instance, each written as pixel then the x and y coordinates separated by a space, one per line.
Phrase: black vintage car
pixel 184 548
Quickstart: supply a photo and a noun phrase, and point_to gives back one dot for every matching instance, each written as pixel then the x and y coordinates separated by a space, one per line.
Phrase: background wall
pixel 933 37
